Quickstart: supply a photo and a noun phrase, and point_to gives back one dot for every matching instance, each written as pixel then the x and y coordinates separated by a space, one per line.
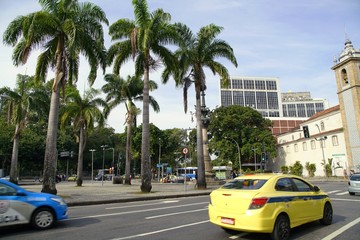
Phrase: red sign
pixel 185 151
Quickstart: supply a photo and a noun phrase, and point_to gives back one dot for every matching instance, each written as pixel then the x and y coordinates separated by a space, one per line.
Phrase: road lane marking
pixel 341 230
pixel 160 231
pixel 343 193
pixel 177 213
pixel 345 199
pixel 136 211
pixel 335 191
pixel 141 205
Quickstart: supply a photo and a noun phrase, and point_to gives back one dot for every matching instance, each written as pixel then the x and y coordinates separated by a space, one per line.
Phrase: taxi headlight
pixel 59 200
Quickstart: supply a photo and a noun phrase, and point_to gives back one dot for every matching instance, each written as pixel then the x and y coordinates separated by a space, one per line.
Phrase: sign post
pixel 185 151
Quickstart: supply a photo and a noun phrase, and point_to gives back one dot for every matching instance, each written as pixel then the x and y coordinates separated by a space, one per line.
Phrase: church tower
pixel 347 73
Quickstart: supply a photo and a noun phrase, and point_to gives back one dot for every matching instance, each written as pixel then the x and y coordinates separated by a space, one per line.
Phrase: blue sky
pixel 293 40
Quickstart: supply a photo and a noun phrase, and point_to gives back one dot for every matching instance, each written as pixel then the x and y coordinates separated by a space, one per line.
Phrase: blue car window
pixel 6 190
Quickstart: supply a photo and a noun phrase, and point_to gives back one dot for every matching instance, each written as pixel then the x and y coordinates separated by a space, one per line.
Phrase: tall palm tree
pixel 127 91
pixel 20 102
pixel 195 53
pixel 63 29
pixel 83 113
pixel 143 39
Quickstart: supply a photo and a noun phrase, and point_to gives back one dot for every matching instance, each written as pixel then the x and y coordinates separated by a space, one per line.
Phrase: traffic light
pixel 306 132
pixel 263 156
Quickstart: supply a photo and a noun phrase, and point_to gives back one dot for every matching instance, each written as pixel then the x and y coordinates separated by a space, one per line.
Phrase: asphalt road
pixel 183 218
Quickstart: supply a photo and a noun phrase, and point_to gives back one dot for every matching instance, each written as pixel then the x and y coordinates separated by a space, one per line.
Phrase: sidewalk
pixel 98 192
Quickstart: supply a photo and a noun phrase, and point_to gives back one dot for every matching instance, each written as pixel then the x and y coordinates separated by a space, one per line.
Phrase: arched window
pixel 313 145
pixel 335 140
pixel 344 77
pixel 304 146
pixel 322 126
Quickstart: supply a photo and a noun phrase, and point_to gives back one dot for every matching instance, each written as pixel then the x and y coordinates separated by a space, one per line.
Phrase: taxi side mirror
pixel 316 189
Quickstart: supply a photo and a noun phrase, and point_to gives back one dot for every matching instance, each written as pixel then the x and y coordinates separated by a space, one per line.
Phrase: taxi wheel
pixel 282 228
pixel 327 215
pixel 43 218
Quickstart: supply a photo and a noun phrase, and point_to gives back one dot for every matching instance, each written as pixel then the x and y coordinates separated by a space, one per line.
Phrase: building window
pixel 271 85
pixel 273 101
pixel 301 110
pixel 344 77
pixel 238 98
pixel 296 149
pixel 335 141
pixel 292 110
pixel 248 84
pixel 260 84
pixel 287 149
pixel 226 98
pixel 250 99
pixel 237 84
pixel 322 126
pixel 310 109
pixel 304 146
pixel 261 100
pixel 313 145
pixel 319 107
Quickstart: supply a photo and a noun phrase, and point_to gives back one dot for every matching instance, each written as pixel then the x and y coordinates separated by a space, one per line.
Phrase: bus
pixel 191 172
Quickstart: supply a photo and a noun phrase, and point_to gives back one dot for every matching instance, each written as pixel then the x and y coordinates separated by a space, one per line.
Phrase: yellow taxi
pixel 268 203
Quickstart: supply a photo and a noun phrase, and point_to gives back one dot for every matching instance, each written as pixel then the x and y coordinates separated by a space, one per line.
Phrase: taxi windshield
pixel 244 184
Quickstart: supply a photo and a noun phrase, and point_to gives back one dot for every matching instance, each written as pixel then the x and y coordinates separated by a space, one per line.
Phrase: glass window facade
pixel 248 84
pixel 238 98
pixel 226 98
pixel 261 100
pixel 250 99
pixel 271 85
pixel 237 84
pixel 301 110
pixel 260 84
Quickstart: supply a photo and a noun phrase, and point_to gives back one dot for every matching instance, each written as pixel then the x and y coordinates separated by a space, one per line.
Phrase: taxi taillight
pixel 257 203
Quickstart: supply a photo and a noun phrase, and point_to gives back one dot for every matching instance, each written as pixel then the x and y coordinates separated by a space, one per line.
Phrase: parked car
pixel 181 179
pixel 19 206
pixel 7 178
pixel 72 178
pixel 354 184
pixel 268 203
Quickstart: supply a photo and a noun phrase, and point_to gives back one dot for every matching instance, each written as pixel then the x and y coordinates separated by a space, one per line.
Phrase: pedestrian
pixel 345 174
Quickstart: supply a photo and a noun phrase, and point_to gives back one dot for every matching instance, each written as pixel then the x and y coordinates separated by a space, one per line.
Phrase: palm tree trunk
pixel 128 149
pixel 145 147
pixel 82 142
pixel 50 158
pixel 14 156
pixel 201 182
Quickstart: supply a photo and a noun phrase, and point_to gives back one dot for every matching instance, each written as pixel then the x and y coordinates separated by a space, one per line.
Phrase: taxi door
pixel 13 208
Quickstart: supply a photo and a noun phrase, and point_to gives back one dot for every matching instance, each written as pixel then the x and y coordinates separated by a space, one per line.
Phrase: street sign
pixel 185 151
pixel 65 154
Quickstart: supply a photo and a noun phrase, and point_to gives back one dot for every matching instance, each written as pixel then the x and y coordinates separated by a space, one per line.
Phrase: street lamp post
pixel 238 147
pixel 159 162
pixel 92 164
pixel 254 149
pixel 103 165
pixel 322 139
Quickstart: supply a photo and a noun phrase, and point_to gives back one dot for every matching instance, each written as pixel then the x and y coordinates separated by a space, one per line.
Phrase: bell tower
pixel 347 73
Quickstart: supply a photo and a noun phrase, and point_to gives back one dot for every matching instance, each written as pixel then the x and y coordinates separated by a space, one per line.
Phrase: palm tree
pixel 20 102
pixel 143 39
pixel 63 29
pixel 84 113
pixel 195 53
pixel 118 91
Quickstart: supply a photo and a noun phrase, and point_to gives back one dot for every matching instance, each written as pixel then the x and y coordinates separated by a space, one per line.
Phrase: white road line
pixel 139 205
pixel 160 231
pixel 177 213
pixel 341 230
pixel 136 211
pixel 335 191
pixel 345 200
pixel 343 193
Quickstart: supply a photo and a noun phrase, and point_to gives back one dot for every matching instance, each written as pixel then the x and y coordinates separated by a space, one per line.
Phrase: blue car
pixel 19 206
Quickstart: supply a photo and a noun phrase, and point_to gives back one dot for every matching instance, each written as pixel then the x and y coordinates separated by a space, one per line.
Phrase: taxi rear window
pixel 244 184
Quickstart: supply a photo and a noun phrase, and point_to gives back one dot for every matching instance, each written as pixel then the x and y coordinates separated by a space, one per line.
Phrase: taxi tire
pixel 281 228
pixel 43 218
pixel 327 214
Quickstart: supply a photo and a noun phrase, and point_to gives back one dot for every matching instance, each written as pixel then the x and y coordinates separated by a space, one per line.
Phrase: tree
pixel 127 91
pixel 63 29
pixel 83 113
pixel 195 53
pixel 20 102
pixel 143 39
pixel 247 127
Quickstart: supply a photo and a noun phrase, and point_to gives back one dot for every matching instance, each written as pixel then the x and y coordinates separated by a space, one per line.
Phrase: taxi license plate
pixel 230 221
